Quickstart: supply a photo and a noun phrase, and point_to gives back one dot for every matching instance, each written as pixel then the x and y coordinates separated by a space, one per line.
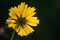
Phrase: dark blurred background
pixel 48 12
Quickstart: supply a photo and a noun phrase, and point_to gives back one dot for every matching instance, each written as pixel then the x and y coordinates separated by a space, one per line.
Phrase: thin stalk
pixel 12 37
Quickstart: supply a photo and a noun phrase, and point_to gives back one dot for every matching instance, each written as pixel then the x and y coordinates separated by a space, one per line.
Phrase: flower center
pixel 21 21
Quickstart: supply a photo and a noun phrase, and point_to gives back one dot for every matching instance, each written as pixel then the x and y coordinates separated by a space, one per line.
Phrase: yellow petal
pixel 31 10
pixel 17 29
pixel 25 14
pixel 13 9
pixel 21 7
pixel 12 25
pixel 16 11
pixel 33 21
pixel 32 14
pixel 12 15
pixel 21 32
pixel 8 21
pixel 24 11
pixel 28 30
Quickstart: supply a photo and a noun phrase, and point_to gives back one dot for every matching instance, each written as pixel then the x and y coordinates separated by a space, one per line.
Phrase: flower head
pixel 22 18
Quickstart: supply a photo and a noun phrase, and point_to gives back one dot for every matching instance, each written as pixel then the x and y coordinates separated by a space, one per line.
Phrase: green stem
pixel 12 35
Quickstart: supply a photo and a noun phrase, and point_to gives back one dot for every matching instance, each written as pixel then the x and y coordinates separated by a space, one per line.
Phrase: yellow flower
pixel 22 18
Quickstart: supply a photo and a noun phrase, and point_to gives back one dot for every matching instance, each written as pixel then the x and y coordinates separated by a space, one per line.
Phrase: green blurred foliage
pixel 48 12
